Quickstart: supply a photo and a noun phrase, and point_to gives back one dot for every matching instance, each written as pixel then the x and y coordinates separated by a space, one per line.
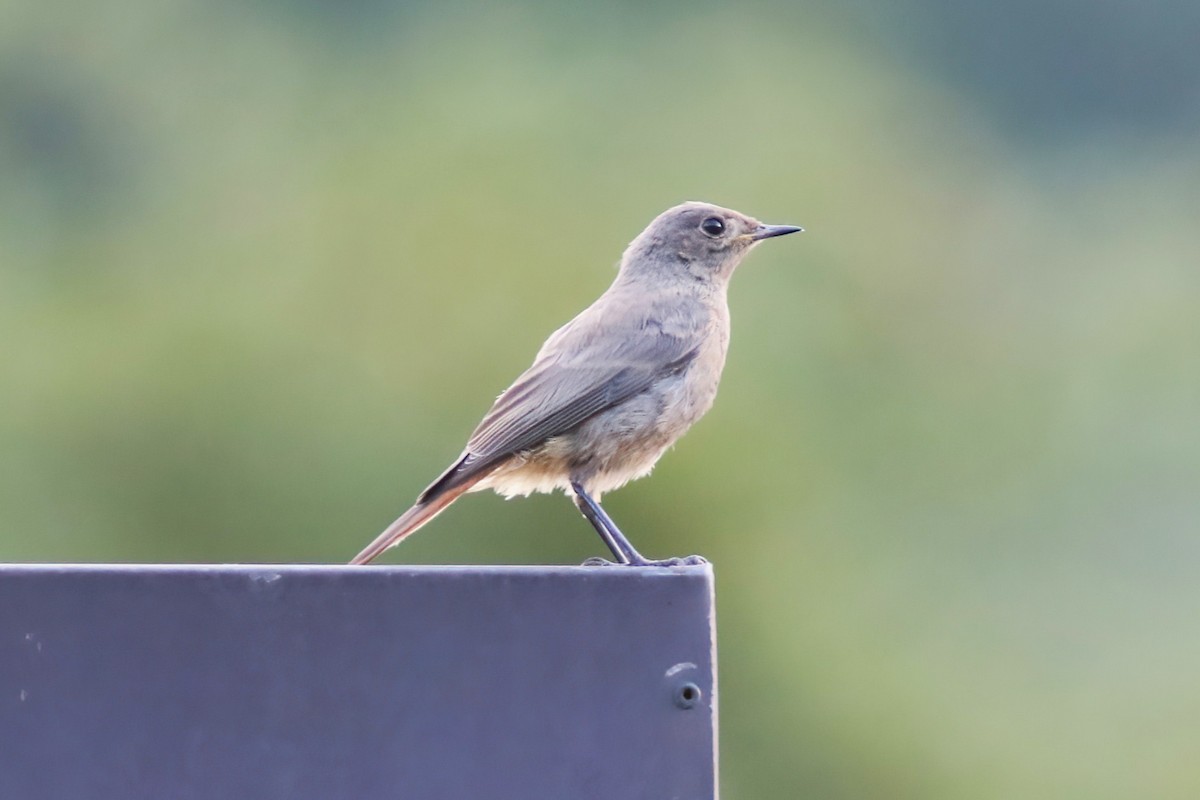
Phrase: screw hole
pixel 687 695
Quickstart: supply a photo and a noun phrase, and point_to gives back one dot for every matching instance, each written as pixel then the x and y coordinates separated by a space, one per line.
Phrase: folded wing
pixel 570 382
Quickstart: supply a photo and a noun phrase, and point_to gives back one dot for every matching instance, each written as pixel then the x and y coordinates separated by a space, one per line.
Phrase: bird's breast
pixel 690 395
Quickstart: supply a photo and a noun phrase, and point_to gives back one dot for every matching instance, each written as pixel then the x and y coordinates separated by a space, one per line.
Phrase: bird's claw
pixel 597 561
pixel 684 561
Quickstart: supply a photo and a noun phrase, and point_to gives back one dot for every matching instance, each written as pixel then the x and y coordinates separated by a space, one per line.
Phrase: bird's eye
pixel 713 226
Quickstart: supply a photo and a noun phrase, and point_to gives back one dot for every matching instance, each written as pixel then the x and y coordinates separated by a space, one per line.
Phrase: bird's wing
pixel 566 385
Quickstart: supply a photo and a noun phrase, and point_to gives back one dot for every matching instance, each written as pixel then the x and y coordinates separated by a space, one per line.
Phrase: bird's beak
pixel 767 231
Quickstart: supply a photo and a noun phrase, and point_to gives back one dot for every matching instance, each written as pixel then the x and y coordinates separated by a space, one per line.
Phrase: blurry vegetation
pixel 263 266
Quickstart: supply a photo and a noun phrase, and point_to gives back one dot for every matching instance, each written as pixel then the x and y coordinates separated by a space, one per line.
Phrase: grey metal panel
pixel 349 682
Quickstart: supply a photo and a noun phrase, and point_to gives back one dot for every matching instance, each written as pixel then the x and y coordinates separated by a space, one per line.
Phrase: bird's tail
pixel 409 521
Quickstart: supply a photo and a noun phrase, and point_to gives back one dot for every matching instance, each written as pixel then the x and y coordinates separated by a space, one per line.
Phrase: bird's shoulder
pixel 628 323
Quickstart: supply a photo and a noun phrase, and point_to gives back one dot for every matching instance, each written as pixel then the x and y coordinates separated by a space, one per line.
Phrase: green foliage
pixel 264 266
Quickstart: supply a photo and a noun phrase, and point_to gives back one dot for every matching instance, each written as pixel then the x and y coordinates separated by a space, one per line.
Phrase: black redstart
pixel 612 389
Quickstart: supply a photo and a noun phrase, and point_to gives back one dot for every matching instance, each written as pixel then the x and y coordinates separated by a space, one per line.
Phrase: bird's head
pixel 700 240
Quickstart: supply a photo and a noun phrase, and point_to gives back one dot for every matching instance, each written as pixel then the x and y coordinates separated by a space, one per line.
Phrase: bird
pixel 613 389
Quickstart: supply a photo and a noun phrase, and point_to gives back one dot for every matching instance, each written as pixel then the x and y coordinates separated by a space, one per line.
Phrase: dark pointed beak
pixel 767 231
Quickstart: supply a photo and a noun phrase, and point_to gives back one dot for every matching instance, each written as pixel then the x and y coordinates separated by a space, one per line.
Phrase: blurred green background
pixel 263 265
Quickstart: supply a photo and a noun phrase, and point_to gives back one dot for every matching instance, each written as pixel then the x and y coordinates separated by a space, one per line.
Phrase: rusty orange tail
pixel 409 521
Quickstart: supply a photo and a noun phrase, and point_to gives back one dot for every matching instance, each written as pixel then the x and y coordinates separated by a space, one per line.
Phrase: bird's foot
pixel 680 561
pixel 597 561
pixel 685 561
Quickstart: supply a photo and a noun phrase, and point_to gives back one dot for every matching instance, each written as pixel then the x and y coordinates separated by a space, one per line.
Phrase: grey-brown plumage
pixel 612 389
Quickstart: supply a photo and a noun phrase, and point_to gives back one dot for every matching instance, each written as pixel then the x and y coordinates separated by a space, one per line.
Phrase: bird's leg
pixel 616 541
pixel 608 530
